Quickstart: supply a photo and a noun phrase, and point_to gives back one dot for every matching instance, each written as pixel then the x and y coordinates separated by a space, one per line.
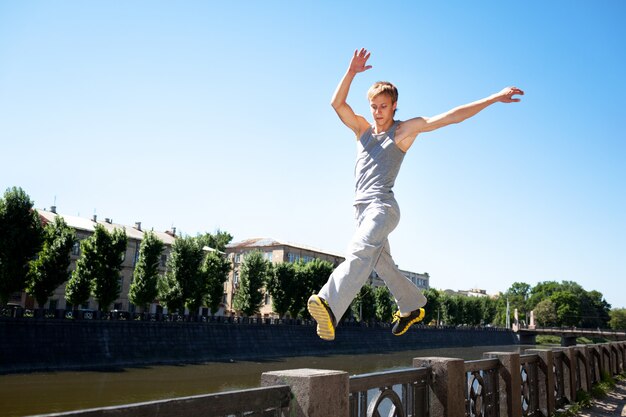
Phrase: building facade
pixel 277 252
pixel 273 251
pixel 84 228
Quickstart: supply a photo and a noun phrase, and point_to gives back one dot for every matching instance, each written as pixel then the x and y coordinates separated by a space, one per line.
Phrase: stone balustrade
pixel 503 384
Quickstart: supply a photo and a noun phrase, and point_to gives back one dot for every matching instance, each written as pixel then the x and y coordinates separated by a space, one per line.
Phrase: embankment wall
pixel 28 345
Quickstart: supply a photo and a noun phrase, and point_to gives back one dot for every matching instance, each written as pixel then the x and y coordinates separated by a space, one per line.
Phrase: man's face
pixel 382 109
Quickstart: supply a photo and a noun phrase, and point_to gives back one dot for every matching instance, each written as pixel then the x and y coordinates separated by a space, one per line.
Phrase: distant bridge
pixel 568 335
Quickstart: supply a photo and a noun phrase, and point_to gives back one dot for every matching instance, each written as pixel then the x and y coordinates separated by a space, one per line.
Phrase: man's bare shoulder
pixel 407 131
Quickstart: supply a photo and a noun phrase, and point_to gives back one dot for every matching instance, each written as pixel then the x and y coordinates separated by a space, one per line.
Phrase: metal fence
pixel 483 388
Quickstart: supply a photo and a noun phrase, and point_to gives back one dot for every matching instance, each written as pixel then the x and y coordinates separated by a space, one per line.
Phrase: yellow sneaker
pixel 402 324
pixel 323 315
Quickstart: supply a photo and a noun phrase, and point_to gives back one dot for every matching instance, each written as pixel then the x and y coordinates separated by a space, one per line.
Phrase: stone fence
pixel 532 384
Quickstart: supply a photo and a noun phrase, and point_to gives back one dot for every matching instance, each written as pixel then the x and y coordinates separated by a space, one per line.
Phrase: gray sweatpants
pixel 369 250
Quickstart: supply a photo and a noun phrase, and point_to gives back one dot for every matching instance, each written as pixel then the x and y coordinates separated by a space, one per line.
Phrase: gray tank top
pixel 378 162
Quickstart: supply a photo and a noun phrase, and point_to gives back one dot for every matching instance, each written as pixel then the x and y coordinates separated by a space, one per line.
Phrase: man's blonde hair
pixel 383 87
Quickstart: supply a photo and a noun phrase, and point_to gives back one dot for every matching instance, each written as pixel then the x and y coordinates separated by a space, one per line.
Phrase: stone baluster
pixel 547 402
pixel 448 385
pixel 315 392
pixel 511 380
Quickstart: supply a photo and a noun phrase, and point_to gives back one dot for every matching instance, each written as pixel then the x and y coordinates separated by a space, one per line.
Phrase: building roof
pixel 89 225
pixel 270 242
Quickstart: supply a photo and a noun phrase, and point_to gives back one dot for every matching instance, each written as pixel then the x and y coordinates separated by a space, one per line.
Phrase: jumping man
pixel 381 147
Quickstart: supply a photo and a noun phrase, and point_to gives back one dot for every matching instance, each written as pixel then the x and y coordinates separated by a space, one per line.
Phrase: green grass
pixel 584 400
pixel 548 340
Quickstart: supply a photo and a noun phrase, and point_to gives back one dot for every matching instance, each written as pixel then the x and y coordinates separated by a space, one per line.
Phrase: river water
pixel 38 393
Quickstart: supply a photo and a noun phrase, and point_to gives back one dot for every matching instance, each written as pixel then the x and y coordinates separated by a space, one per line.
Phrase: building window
pixel 163 260
pixel 76 248
pixel 268 256
pixel 267 299
pixel 53 304
pixel 236 278
pixel 136 256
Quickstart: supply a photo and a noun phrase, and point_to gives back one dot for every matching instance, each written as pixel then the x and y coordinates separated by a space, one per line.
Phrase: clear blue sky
pixel 206 114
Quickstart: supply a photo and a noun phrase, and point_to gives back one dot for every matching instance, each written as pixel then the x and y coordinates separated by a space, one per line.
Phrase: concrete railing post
pixel 570 377
pixel 547 402
pixel 448 386
pixel 511 379
pixel 315 392
pixel 621 348
pixel 585 382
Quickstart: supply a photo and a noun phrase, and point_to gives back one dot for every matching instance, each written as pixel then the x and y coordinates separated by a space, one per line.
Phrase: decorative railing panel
pixel 402 393
pixel 483 388
pixel 529 373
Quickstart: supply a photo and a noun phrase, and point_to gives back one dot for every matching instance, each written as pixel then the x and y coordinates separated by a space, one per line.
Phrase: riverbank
pixel 30 345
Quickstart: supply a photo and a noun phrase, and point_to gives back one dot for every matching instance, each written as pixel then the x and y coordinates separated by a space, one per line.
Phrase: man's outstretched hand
pixel 506 95
pixel 357 64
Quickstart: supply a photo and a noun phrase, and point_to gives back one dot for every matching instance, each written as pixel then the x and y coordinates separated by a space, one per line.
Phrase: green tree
pixel 594 310
pixel 472 310
pixel 215 269
pixel 618 319
pixel 310 277
pixel 144 288
pixel 452 310
pixel 110 249
pixel 280 285
pixel 253 275
pixel 98 269
pixel 364 304
pixel 545 313
pixel 218 241
pixel 21 238
pixel 50 269
pixel 567 308
pixel 384 303
pixel 433 306
pixel 488 310
pixel 183 284
pixel 78 288
pixel 542 291
pixel 518 295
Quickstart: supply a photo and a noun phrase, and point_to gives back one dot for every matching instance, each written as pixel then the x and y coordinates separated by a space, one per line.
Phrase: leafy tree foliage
pixel 618 319
pixel 384 303
pixel 488 309
pixel 98 268
pixel 253 275
pixel 144 288
pixel 21 237
pixel 218 241
pixel 110 248
pixel 310 276
pixel 280 285
pixel 215 269
pixel 50 269
pixel 545 313
pixel 364 304
pixel 567 308
pixel 183 284
pixel 433 306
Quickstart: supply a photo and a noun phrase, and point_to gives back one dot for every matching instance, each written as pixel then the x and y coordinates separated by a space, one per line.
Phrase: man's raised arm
pixel 412 127
pixel 355 122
